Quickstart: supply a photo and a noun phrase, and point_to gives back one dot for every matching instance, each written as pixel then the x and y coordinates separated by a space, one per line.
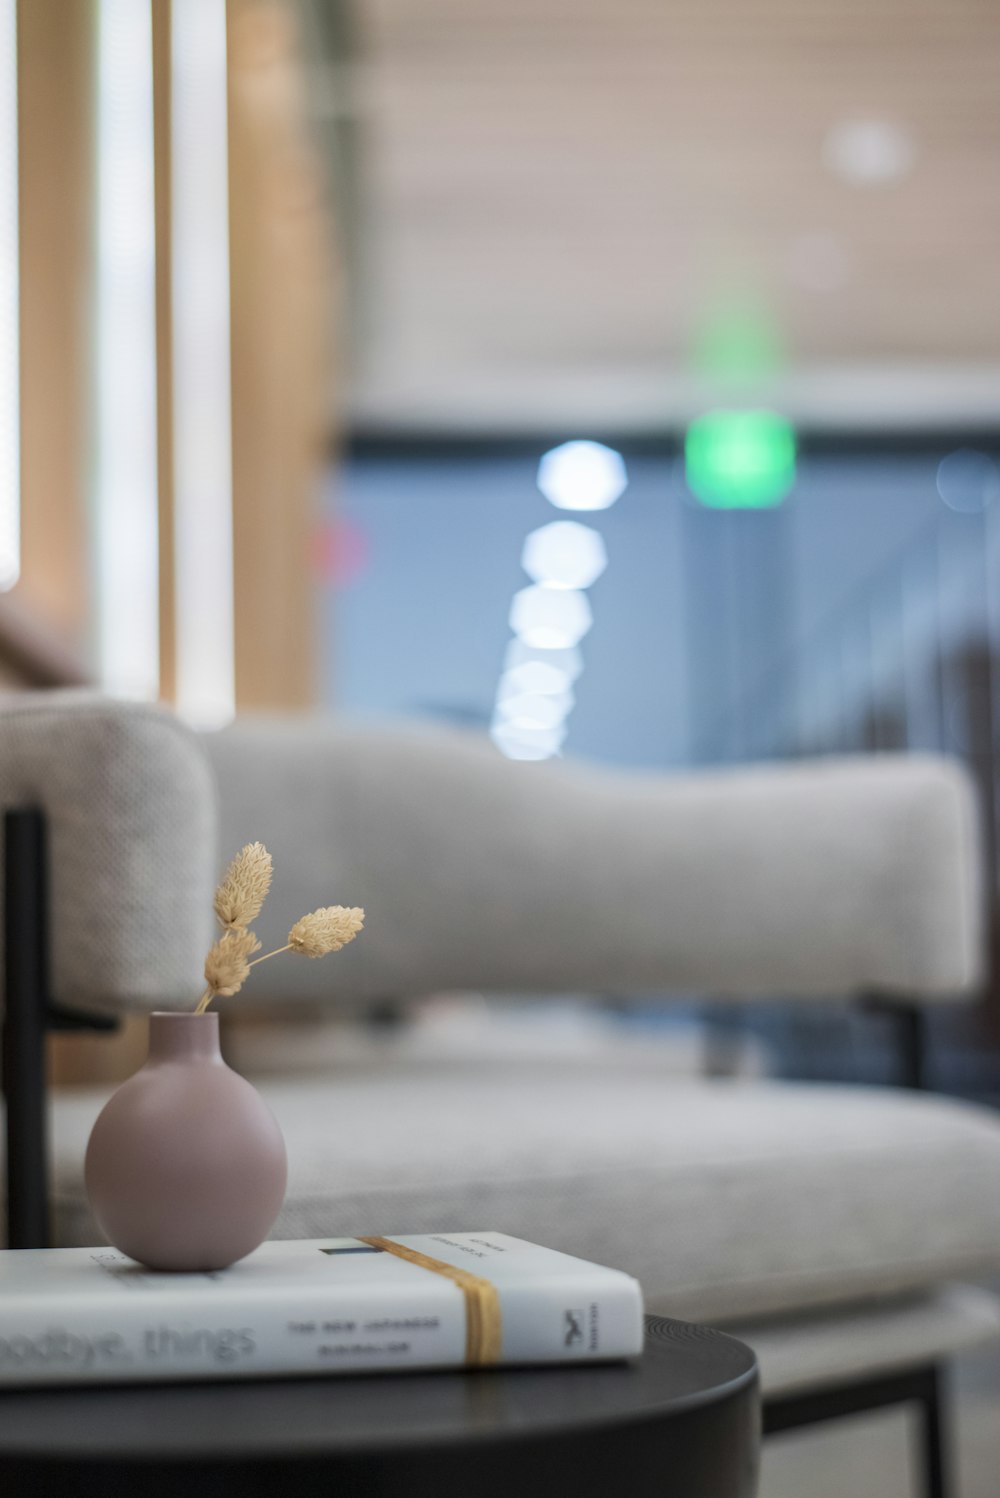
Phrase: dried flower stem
pixel 238 901
pixel 276 953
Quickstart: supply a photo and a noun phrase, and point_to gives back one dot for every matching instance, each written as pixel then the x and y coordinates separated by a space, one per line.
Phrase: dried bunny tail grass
pixel 227 965
pixel 326 930
pixel 240 896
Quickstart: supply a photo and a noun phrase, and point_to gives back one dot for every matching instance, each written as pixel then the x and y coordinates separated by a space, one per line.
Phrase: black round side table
pixel 682 1422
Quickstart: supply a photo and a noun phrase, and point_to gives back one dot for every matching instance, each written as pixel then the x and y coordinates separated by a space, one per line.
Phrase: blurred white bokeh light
pixel 564 554
pixel 534 676
pixel 532 710
pixel 523 743
pixel 550 618
pixel 582 476
pixel 869 153
pixel 568 660
pixel 968 481
pixel 534 695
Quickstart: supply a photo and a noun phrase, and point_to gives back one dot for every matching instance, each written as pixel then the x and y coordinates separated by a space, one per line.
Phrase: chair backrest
pixel 130 810
pixel 828 878
pixel 823 878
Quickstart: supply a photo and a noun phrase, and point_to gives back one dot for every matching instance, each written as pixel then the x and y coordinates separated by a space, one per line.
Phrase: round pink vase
pixel 186 1165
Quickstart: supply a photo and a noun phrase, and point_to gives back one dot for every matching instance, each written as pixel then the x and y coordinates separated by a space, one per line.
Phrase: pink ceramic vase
pixel 186 1165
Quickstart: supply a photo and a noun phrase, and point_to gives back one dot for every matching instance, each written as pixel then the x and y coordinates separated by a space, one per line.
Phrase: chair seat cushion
pixel 842 1344
pixel 726 1199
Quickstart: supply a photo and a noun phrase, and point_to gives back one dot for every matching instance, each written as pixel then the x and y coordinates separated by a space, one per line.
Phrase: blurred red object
pixel 341 552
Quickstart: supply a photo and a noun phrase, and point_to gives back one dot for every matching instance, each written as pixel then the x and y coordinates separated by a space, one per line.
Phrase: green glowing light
pixel 738 343
pixel 740 460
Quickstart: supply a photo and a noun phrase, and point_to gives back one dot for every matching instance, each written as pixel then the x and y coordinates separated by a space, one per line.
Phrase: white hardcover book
pixel 319 1306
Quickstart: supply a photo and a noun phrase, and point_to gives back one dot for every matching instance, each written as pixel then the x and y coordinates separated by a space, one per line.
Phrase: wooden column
pixel 55 113
pixel 281 260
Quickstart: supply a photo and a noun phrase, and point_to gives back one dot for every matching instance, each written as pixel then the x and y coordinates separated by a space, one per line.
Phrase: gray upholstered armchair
pixel 839 1229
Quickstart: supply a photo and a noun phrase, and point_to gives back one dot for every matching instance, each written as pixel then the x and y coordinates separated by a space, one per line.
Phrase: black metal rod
pixel 912 1024
pixel 921 1386
pixel 909 1025
pixel 935 1447
pixel 24 1027
pixel 814 1406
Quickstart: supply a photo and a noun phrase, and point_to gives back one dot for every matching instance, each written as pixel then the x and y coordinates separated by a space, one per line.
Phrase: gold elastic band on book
pixel 483 1322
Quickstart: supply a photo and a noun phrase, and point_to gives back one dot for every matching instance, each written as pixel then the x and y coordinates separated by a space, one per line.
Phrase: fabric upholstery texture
pixel 130 807
pixel 831 877
pixel 726 1200
pixel 822 1348
pixel 821 878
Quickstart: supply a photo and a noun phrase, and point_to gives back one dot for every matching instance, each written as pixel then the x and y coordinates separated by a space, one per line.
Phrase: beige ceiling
pixel 557 199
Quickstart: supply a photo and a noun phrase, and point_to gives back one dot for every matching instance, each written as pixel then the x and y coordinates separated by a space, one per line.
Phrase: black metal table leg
pixel 24 1027
pixel 922 1387
pixel 934 1450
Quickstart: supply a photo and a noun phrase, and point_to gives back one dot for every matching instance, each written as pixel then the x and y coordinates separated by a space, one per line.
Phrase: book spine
pixel 573 1319
pixel 105 1339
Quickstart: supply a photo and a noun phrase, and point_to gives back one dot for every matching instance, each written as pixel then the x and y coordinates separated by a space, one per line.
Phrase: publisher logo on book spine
pixel 572 1327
